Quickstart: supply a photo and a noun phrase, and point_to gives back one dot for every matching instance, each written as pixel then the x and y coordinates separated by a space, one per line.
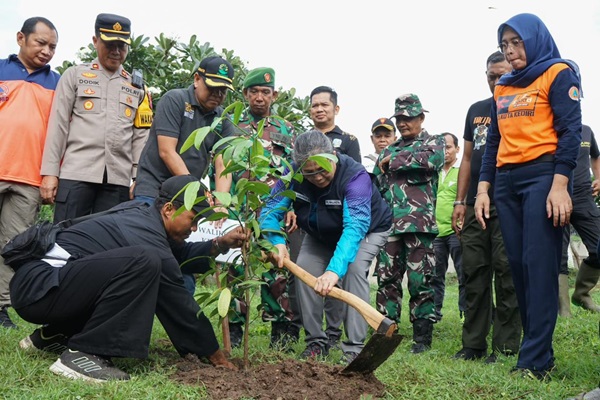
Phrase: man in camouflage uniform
pixel 407 176
pixel 277 140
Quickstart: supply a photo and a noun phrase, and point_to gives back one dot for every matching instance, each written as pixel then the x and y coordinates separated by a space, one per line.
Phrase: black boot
pixel 422 335
pixel 5 320
pixel 236 334
pixel 280 336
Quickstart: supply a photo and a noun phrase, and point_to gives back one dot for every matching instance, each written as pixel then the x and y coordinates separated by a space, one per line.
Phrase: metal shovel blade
pixel 378 349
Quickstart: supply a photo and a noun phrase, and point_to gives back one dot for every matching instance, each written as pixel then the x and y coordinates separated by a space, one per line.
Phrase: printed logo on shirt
pixel 95 66
pixel 519 105
pixel 89 91
pixel 88 75
pixel 3 92
pixel 333 202
pixel 480 136
pixel 337 142
pixel 88 105
pixel 189 111
pixel 574 93
pixel 128 112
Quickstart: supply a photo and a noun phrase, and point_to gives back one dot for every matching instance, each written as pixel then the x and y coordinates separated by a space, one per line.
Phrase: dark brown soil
pixel 288 379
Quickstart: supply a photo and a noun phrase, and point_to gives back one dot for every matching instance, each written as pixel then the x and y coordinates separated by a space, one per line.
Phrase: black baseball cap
pixel 217 72
pixel 171 188
pixel 385 123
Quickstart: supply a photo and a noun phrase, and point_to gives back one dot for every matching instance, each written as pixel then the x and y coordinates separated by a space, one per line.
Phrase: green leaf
pixel 191 193
pixel 224 300
pixel 324 160
pixel 224 198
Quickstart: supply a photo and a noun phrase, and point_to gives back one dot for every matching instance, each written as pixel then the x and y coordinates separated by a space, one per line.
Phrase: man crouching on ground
pixel 97 290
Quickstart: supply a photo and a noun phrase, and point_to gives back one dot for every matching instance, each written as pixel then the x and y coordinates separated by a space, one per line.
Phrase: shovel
pixel 382 343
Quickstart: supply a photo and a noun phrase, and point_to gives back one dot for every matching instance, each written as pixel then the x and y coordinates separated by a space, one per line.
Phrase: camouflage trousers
pixel 411 254
pixel 274 294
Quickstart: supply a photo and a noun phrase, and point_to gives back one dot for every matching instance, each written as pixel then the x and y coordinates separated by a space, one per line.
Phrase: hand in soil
pixel 219 360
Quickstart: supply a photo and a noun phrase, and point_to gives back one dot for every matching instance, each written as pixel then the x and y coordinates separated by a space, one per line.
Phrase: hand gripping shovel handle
pixel 374 318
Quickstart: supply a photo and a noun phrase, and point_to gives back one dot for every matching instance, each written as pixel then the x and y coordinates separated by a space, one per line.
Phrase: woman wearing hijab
pixel 531 151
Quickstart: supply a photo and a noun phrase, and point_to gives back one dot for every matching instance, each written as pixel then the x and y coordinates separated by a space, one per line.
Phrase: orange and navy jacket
pixel 25 102
pixel 527 122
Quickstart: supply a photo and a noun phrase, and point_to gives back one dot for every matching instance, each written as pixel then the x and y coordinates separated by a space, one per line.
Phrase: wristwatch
pixel 458 203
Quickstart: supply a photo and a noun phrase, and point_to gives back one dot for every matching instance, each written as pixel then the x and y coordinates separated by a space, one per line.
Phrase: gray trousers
pixel 314 257
pixel 18 209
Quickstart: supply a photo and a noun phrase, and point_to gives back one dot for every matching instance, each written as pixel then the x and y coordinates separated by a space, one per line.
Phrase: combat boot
pixel 587 278
pixel 422 335
pixel 564 305
pixel 236 334
pixel 280 336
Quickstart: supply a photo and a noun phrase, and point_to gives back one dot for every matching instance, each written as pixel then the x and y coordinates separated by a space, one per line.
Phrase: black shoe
pixel 418 348
pixel 53 344
pixel 348 357
pixel 236 334
pixel 5 320
pixel 78 365
pixel 314 350
pixel 469 354
pixel 493 358
pixel 543 376
pixel 333 343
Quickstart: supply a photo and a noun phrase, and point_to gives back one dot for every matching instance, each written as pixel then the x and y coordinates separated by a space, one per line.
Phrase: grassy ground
pixel 432 375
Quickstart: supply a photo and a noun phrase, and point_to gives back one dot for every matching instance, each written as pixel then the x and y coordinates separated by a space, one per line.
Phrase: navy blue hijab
pixel 539 46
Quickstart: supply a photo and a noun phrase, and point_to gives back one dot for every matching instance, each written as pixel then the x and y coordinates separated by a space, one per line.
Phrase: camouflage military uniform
pixel 277 140
pixel 409 185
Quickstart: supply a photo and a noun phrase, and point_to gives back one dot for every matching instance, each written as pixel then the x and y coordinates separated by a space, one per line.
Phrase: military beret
pixel 408 105
pixel 260 77
pixel 113 27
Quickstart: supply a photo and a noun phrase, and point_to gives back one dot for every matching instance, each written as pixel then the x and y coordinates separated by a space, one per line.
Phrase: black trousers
pixel 585 218
pixel 106 303
pixel 75 198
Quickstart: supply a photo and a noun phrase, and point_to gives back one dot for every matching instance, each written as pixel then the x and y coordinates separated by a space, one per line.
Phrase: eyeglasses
pixel 514 43
pixel 217 91
pixel 313 174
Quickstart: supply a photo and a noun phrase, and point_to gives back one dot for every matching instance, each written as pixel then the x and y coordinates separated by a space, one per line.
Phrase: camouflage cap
pixel 408 105
pixel 260 77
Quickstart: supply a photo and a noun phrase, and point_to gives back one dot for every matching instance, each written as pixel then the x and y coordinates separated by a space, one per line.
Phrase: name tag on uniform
pixel 333 202
pixel 300 196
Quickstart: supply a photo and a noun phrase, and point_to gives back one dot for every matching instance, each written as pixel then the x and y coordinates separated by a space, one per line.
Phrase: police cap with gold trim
pixel 110 27
pixel 217 72
pixel 260 77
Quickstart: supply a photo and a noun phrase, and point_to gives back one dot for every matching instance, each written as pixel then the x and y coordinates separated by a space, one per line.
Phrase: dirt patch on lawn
pixel 288 379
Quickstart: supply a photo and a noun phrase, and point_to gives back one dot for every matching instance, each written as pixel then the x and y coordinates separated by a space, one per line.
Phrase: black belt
pixel 540 159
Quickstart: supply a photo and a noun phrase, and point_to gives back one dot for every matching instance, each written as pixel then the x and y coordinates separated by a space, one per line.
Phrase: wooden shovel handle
pixel 373 317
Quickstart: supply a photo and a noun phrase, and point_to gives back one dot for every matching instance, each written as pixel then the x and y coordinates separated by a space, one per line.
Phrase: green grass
pixel 432 375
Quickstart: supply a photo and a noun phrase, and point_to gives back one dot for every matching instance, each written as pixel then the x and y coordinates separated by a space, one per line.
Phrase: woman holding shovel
pixel 346 223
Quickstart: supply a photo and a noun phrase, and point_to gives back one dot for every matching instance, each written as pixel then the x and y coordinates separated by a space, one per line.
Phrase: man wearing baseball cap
pixel 101 303
pixel 383 133
pixel 407 175
pixel 179 113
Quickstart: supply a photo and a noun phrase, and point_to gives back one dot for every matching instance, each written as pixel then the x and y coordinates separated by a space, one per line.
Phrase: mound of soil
pixel 288 379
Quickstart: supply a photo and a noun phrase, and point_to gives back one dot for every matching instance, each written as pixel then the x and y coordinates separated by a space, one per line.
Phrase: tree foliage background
pixel 169 64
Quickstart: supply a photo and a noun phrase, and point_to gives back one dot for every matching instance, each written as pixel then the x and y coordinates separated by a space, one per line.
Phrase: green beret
pixel 260 77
